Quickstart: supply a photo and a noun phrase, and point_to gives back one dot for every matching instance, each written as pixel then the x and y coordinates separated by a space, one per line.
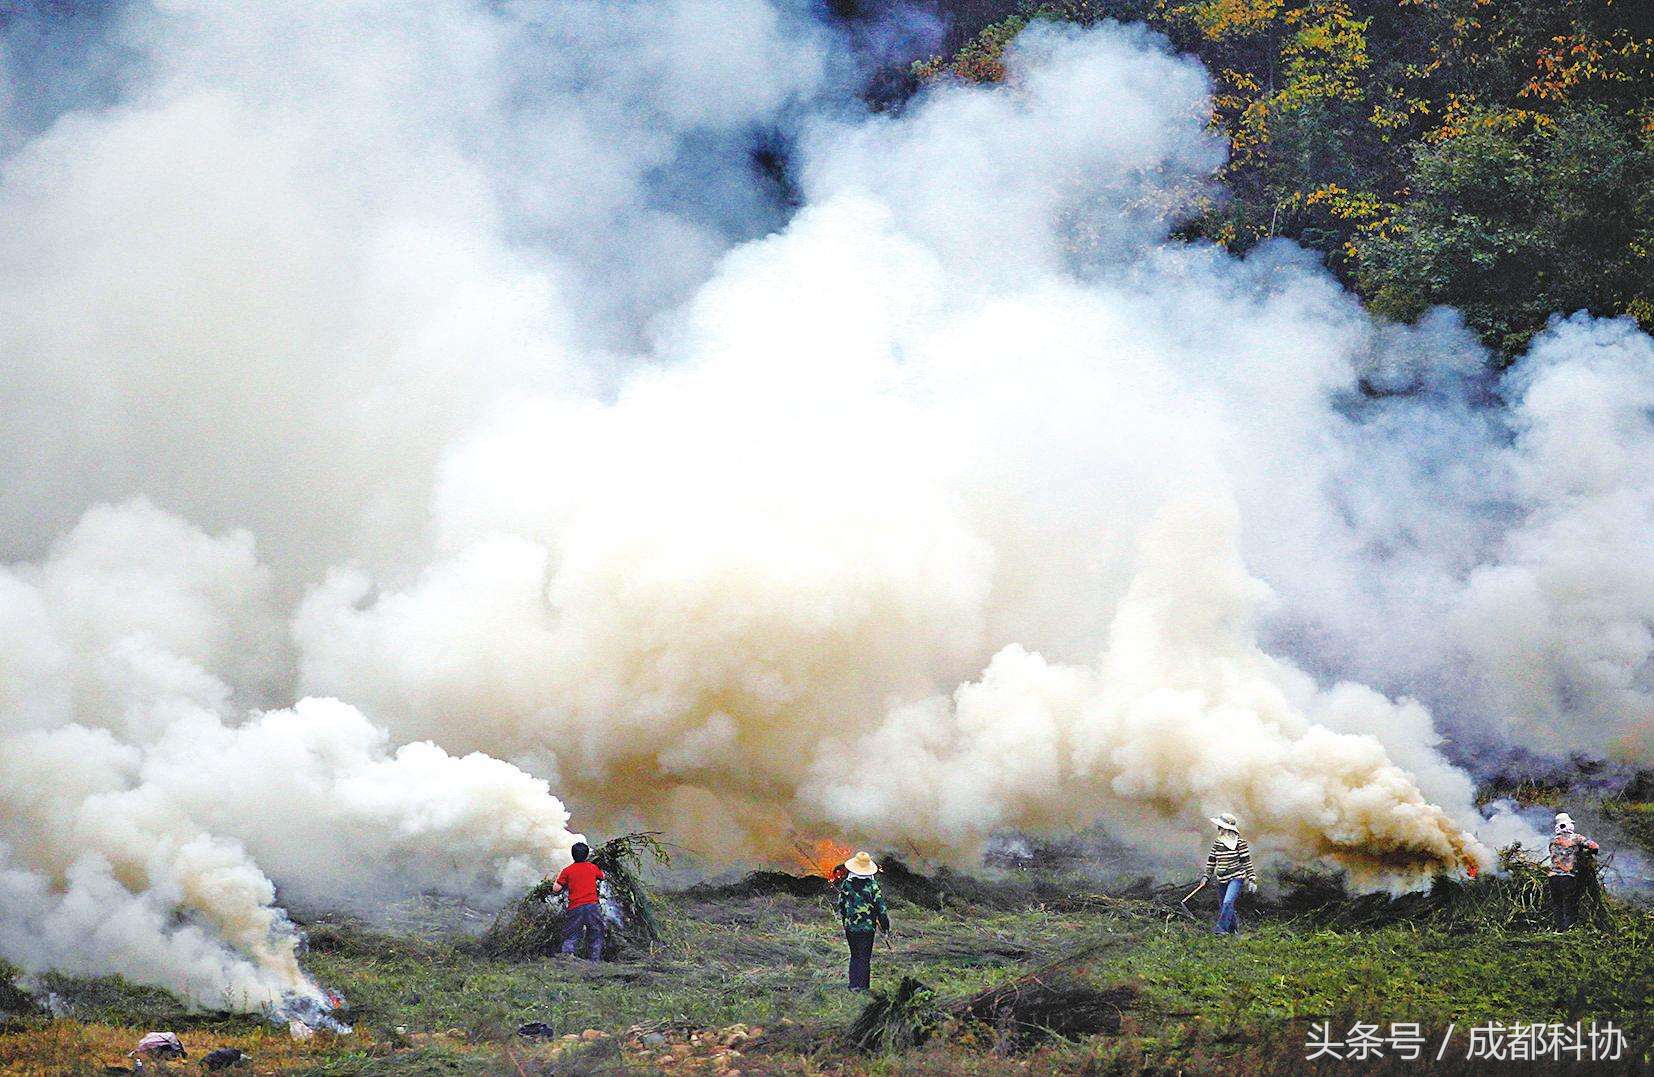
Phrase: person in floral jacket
pixel 860 905
pixel 1566 846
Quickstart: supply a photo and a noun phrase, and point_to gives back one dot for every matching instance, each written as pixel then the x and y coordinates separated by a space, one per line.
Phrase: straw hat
pixel 1226 821
pixel 861 864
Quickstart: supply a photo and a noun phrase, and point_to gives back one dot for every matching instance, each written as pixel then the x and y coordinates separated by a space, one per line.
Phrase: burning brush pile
pixel 1512 899
pixel 813 872
pixel 821 858
pixel 815 867
pixel 532 927
pixel 304 1015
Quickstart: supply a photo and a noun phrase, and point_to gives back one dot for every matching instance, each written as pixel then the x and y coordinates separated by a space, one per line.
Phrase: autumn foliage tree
pixel 1490 155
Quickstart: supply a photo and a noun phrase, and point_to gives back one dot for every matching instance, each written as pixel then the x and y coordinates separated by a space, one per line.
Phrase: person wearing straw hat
pixel 1566 845
pixel 861 908
pixel 1230 864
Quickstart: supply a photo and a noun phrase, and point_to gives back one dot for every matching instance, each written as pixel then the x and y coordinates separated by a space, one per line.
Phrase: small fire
pixel 1471 869
pixel 821 856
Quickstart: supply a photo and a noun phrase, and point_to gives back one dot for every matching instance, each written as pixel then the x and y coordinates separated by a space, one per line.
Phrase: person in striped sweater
pixel 1230 864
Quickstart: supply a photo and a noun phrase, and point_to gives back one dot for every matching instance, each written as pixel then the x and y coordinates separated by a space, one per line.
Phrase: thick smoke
pixel 1559 623
pixel 301 249
pixel 958 500
pixel 131 789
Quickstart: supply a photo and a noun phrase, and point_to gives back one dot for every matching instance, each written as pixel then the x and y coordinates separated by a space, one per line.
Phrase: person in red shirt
pixel 585 913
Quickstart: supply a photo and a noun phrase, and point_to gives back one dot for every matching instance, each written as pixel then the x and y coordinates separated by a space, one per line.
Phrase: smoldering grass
pixel 1515 898
pixel 1216 1003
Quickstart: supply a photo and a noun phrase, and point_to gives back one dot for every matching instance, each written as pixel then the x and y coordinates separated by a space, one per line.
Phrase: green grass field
pixel 751 983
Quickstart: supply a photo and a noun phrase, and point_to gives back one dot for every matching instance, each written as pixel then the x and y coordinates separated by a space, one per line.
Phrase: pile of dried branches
pixel 1038 1007
pixel 532 926
pixel 896 1021
pixel 1053 1001
pixel 1515 898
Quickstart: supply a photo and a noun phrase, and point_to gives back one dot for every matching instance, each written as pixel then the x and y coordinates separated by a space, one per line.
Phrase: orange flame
pixel 821 856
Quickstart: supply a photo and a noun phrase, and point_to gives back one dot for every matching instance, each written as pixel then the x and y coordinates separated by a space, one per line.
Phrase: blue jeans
pixel 1228 918
pixel 587 920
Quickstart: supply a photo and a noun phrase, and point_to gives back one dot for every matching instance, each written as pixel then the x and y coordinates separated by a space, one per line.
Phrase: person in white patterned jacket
pixel 1230 864
pixel 1566 854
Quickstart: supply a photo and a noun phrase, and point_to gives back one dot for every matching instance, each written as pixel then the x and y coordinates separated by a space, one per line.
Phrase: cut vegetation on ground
pixel 1026 972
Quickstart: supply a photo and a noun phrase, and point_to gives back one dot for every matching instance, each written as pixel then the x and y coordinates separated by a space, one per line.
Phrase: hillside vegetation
pixel 1495 157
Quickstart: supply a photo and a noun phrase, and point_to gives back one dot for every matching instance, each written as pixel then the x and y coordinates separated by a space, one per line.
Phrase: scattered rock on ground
pixel 710 1051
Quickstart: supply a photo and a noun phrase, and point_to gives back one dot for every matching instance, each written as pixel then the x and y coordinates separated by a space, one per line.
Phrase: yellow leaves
pixel 1363 215
pixel 1221 19
pixel 1397 111
pixel 1457 118
pixel 1368 213
pixel 1249 131
pixel 1326 57
pixel 1306 92
pixel 1572 60
pixel 1346 205
pixel 1323 56
pixel 1465 114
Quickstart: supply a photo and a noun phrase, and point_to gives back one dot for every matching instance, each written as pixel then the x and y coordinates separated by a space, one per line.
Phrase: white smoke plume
pixel 958 500
pixel 132 791
pixel 265 284
pixel 1559 624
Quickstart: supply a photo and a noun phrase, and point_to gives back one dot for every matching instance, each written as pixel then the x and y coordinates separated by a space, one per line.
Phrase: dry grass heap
pixel 532 927
pixel 1514 899
pixel 1053 1001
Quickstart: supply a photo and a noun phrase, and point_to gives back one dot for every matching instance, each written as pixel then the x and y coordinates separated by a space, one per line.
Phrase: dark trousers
pixel 586 920
pixel 1565 900
pixel 861 958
